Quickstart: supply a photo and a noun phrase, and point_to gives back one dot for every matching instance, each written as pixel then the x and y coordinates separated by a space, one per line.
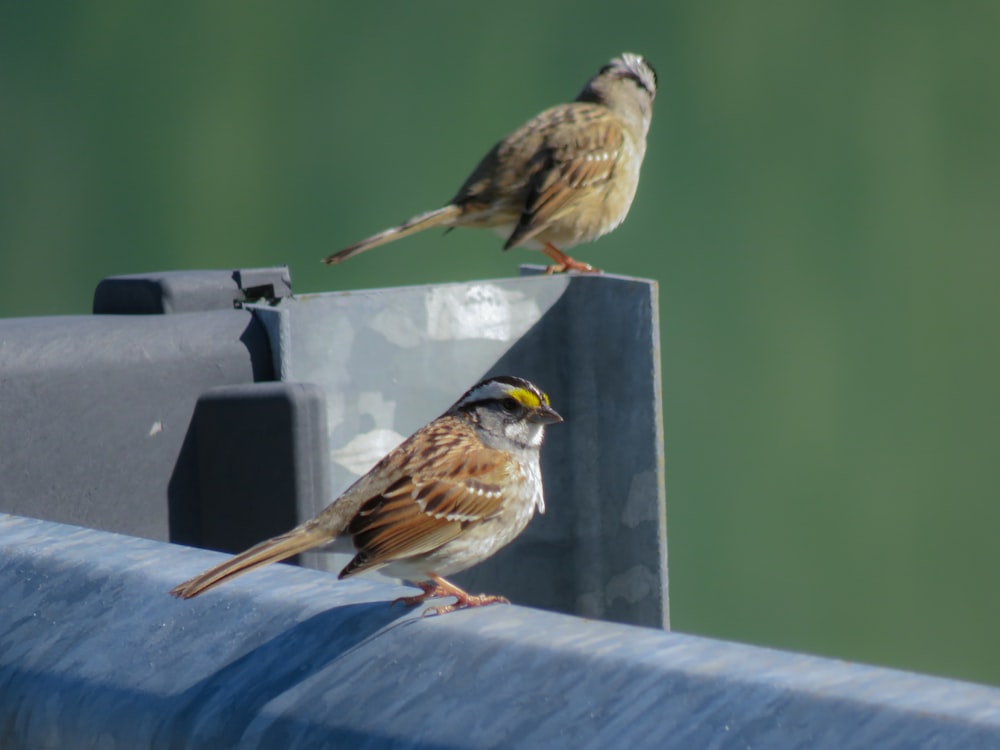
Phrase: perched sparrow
pixel 448 497
pixel 564 177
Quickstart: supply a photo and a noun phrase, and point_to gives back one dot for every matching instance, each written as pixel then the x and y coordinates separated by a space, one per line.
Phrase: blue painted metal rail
pixel 95 654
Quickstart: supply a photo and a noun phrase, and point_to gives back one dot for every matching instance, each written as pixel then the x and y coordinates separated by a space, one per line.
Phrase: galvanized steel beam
pixel 95 654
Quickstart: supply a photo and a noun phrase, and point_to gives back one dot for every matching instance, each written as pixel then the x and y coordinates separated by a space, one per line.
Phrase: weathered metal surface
pixel 95 654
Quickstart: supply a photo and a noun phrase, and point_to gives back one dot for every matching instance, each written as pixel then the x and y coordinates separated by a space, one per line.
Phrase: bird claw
pixel 565 263
pixel 574 265
pixel 442 588
pixel 466 602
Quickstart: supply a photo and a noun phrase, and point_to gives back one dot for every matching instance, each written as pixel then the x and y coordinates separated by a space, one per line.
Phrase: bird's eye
pixel 509 405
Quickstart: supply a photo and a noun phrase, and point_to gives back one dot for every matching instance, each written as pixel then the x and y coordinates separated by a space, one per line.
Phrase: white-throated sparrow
pixel 566 176
pixel 448 497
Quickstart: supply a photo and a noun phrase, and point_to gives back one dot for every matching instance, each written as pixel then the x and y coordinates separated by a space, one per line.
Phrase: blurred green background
pixel 819 205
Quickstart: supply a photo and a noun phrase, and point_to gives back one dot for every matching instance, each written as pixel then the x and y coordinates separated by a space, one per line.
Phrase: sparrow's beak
pixel 545 414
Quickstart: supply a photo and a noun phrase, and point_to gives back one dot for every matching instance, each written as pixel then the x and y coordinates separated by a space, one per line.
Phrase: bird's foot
pixel 442 588
pixel 465 602
pixel 563 262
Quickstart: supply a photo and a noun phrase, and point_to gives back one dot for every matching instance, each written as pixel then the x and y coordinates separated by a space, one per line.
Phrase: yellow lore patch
pixel 527 398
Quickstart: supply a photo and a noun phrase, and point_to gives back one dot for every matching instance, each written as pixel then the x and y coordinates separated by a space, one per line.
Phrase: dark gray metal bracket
pixel 189 291
pixel 262 454
pixel 94 653
pixel 95 411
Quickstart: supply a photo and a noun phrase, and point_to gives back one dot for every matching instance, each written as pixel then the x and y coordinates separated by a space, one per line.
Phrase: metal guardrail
pixel 95 654
pixel 163 419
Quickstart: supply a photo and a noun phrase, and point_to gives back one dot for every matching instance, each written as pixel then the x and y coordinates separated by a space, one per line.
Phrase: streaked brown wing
pixel 423 510
pixel 580 153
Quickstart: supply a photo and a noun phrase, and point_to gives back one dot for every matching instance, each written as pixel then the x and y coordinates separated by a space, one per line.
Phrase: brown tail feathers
pixel 439 217
pixel 272 550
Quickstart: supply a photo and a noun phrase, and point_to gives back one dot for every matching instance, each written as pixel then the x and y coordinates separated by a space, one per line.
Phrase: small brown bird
pixel 567 176
pixel 448 497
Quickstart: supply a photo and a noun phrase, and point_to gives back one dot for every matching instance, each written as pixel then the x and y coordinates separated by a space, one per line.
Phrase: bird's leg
pixel 430 591
pixel 441 588
pixel 463 600
pixel 563 262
